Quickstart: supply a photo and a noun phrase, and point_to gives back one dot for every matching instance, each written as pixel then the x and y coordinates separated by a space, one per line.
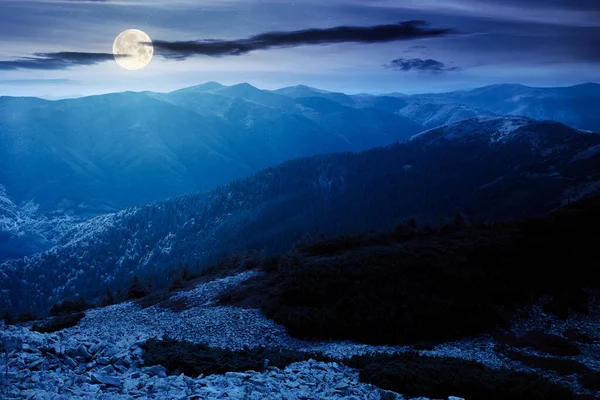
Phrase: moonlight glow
pixel 133 49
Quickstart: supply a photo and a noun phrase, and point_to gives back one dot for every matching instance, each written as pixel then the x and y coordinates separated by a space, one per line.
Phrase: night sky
pixel 62 48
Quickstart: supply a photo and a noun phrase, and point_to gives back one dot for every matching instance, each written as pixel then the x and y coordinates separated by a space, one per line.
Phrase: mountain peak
pixel 204 87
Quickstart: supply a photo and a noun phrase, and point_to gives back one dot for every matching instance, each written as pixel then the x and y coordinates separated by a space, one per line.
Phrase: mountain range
pixel 96 189
pixel 493 168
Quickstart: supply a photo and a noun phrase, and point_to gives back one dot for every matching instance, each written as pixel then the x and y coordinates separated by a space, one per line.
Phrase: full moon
pixel 133 49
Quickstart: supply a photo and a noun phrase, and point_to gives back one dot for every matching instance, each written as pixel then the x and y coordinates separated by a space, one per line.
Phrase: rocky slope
pixel 102 356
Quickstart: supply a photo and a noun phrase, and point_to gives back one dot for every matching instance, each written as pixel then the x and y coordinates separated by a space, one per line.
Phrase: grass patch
pixel 414 375
pixel 400 287
pixel 195 359
pixel 544 342
pixel 176 305
pixel 409 374
pixel 69 306
pixel 59 323
pixel 559 365
pixel 153 298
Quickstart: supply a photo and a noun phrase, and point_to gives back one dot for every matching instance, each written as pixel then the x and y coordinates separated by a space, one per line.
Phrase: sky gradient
pixel 62 48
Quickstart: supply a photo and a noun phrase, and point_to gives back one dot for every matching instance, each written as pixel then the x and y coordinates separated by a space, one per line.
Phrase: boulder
pixel 111 381
pixel 81 369
pixel 157 370
pixel 35 364
pixel 102 361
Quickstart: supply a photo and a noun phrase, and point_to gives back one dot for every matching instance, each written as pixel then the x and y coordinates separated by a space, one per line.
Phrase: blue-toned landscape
pixel 292 213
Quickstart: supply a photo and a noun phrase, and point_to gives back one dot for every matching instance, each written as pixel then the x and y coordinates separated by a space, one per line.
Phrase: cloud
pixel 55 61
pixel 418 64
pixel 22 82
pixel 408 30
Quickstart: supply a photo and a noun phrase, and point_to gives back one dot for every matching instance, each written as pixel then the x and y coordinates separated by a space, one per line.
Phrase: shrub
pixel 108 299
pixel 591 380
pixel 137 289
pixel 544 342
pixel 574 335
pixel 8 317
pixel 195 359
pixel 153 299
pixel 176 305
pixel 559 309
pixel 394 288
pixel 414 375
pixel 69 306
pixel 59 323
pixel 559 365
pixel 27 316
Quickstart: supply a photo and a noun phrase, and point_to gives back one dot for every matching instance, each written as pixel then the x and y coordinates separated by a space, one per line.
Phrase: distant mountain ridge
pixel 100 154
pixel 89 156
pixel 487 167
pixel 576 106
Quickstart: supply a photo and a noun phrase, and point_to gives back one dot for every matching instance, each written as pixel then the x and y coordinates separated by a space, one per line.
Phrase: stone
pixel 109 353
pixel 111 381
pixel 81 369
pixel 157 370
pixel 102 361
pixel 34 365
pixel 70 362
pixel 35 378
pixel 80 351
pixel 95 348
pixel 107 370
pixel 121 369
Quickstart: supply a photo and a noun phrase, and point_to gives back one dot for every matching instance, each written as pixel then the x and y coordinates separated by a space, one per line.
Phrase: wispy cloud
pixel 55 61
pixel 418 64
pixel 408 30
pixel 37 81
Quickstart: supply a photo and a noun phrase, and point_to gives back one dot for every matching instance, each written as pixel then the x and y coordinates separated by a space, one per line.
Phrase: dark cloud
pixel 429 65
pixel 342 34
pixel 54 61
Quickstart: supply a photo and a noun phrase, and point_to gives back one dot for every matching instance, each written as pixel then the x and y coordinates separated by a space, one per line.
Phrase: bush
pixel 559 365
pixel 137 289
pixel 108 299
pixel 27 316
pixel 69 306
pixel 574 335
pixel 401 287
pixel 153 299
pixel 56 324
pixel 414 376
pixel 176 305
pixel 8 317
pixel 544 342
pixel 591 380
pixel 195 359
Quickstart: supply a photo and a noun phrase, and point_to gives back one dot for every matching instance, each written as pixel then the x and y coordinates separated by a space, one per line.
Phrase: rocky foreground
pixel 102 356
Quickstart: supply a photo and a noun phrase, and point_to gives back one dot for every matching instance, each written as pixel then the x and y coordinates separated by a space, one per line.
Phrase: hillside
pixel 575 106
pixel 90 156
pixel 487 168
pixel 437 326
